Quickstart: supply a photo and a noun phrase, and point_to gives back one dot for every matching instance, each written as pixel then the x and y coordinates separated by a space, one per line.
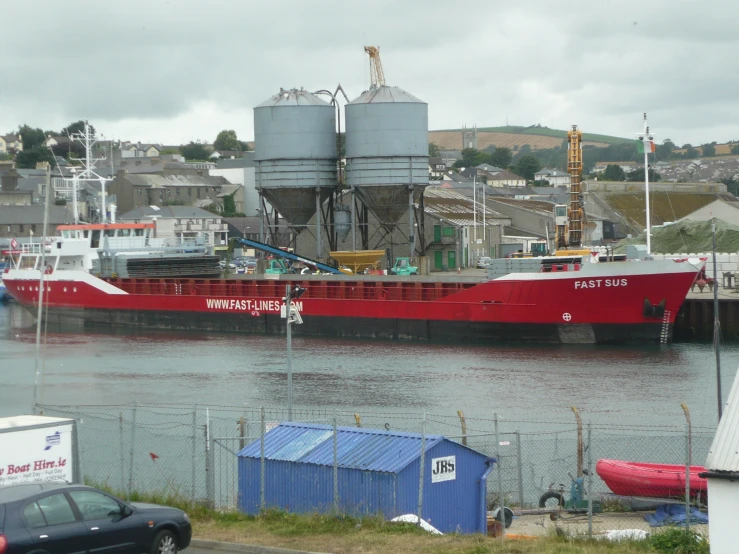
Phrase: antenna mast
pixel 87 139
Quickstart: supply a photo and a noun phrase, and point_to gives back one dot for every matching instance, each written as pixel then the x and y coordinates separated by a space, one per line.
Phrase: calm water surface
pixel 625 386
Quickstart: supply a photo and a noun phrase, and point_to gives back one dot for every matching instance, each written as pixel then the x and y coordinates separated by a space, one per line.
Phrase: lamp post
pixel 291 315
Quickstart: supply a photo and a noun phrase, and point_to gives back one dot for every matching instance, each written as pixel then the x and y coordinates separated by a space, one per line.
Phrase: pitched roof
pixel 489 168
pixel 161 181
pixel 535 205
pixel 62 139
pixel 455 207
pixel 505 176
pixel 357 448
pixel 459 178
pixel 179 212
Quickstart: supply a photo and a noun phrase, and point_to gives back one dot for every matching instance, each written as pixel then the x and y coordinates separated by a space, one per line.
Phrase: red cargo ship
pixel 577 302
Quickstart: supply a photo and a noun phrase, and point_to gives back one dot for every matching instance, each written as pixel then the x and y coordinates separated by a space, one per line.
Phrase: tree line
pixel 522 163
pixel 526 161
pixel 35 149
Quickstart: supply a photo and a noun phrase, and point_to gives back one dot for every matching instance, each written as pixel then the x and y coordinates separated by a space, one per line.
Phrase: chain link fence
pixel 557 479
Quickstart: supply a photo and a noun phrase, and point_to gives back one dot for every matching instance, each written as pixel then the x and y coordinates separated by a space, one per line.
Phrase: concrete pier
pixel 694 323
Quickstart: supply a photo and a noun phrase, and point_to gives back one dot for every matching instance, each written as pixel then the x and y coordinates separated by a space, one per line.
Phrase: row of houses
pixel 495 176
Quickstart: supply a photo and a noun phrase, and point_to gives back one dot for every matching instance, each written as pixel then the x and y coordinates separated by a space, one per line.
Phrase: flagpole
pixel 474 208
pixel 484 209
pixel 645 141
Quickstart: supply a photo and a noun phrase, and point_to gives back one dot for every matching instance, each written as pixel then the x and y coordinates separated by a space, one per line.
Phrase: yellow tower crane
pixel 569 229
pixel 377 76
pixel 574 168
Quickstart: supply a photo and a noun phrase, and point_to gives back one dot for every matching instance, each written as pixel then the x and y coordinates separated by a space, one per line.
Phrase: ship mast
pixel 86 137
pixel 647 141
pixel 574 168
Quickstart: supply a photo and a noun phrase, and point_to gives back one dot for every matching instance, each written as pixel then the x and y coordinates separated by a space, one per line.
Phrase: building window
pixel 199 192
pixel 189 193
pixel 20 228
pixel 177 193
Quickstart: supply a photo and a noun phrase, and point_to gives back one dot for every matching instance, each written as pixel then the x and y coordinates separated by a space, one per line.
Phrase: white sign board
pixel 36 455
pixel 443 469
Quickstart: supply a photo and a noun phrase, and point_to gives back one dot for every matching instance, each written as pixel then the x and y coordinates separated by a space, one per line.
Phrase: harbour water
pixel 535 384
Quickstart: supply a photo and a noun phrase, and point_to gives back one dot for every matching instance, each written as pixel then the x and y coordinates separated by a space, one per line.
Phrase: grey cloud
pixel 599 63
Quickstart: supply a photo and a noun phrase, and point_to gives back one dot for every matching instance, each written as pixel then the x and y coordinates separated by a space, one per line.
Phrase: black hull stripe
pixel 463 332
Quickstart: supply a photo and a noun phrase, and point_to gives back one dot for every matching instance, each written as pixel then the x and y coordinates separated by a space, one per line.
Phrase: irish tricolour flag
pixel 645 146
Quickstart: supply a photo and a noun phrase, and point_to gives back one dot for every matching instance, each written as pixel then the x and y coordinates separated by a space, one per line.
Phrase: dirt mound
pixel 688 237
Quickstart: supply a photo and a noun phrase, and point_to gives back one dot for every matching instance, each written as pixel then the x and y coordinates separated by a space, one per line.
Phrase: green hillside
pixel 547 132
pixel 688 237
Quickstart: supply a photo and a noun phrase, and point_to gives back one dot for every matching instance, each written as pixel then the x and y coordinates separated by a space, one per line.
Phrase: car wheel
pixel 164 543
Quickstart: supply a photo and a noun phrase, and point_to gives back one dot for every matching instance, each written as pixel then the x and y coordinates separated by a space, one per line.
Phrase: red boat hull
pixel 605 305
pixel 650 480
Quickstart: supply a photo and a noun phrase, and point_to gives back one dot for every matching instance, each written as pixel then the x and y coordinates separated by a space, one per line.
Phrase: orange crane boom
pixel 377 75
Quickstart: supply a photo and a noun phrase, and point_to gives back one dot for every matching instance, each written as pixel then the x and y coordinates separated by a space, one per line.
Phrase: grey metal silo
pixel 387 150
pixel 295 153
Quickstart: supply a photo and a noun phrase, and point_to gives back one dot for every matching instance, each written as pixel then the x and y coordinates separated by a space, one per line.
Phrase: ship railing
pixel 34 248
pixel 257 289
pixel 141 243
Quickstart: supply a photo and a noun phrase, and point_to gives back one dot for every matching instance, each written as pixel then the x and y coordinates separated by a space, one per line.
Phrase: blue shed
pixel 378 473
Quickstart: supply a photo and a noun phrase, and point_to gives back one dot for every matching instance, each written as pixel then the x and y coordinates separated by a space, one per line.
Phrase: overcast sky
pixel 180 70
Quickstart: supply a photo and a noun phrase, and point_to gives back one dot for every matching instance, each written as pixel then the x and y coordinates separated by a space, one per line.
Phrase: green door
pixel 451 257
pixel 438 259
pixel 437 233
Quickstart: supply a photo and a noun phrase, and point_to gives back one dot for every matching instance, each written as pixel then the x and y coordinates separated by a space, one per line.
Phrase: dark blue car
pixel 59 518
